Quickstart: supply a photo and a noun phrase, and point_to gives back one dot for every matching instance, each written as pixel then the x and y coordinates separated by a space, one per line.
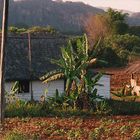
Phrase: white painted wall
pixel 105 89
pixel 39 88
pixel 8 86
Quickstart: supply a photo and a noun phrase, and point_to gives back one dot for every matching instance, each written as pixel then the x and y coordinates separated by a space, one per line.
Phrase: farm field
pixel 69 70
pixel 109 128
pixel 121 76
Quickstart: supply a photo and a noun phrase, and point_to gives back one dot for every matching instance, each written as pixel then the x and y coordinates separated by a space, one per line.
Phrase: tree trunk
pixel 2 58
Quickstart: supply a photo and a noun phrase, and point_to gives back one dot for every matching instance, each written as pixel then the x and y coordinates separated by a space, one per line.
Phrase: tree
pixel 106 24
pixel 2 60
pixel 116 21
pixel 76 58
pixel 96 27
pixel 134 30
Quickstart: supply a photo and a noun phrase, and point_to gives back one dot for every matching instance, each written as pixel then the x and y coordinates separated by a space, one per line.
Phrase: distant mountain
pixel 134 19
pixel 123 11
pixel 67 17
pixel 1 3
pixel 64 16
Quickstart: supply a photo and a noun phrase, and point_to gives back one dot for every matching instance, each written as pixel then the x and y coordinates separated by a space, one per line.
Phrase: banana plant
pixel 73 63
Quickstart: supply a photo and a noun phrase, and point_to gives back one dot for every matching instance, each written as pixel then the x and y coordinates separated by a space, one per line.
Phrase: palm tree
pixel 73 64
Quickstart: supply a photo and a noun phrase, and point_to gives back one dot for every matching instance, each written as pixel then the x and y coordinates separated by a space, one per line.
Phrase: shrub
pixel 102 108
pixel 26 109
pixel 124 107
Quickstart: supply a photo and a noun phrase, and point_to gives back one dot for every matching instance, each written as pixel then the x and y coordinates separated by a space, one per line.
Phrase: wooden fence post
pixel 2 59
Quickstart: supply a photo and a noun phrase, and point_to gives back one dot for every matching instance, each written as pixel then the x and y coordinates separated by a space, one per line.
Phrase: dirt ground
pixel 102 128
pixel 122 76
pixel 76 128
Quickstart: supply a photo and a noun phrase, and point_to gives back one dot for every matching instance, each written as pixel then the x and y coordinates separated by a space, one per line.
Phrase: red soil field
pixel 113 127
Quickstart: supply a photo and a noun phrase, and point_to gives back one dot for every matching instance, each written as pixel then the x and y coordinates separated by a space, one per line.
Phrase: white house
pixel 43 47
pixel 40 88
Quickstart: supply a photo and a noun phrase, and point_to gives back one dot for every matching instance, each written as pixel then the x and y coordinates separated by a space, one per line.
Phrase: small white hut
pixel 43 48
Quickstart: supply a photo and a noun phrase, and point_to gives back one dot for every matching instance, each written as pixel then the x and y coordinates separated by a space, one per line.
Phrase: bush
pixel 35 29
pixel 26 109
pixel 38 29
pixel 106 107
pixel 102 108
pixel 111 57
pixel 124 107
pixel 136 50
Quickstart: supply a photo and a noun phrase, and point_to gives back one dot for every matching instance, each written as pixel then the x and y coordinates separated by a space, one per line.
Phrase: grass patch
pixel 124 107
pixel 109 107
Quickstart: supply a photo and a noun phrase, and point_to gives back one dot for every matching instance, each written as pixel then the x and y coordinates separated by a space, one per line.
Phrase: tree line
pixel 120 43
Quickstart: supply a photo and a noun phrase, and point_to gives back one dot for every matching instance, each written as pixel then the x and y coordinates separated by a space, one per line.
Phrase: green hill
pixel 67 17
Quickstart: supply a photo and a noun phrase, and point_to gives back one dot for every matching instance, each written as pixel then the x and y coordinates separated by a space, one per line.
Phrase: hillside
pixel 64 16
pixel 67 17
pixel 134 19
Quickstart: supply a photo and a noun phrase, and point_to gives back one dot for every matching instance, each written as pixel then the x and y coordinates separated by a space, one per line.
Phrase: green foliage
pixel 103 108
pixel 73 65
pixel 119 49
pixel 119 27
pixel 58 101
pixel 124 57
pixel 16 30
pixel 123 92
pixel 26 109
pixel 74 134
pixel 65 109
pixel 117 22
pixel 109 55
pixel 11 96
pixel 124 129
pixel 136 50
pixel 34 29
pixel 96 133
pixel 38 29
pixel 126 41
pixel 53 75
pixel 14 135
pixel 134 30
pixel 76 58
pixel 136 134
pixel 124 107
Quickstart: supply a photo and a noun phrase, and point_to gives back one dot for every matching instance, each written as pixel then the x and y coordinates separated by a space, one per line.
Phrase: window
pixel 24 86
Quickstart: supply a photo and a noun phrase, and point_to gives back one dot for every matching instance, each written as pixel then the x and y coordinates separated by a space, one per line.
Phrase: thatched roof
pixel 133 67
pixel 43 48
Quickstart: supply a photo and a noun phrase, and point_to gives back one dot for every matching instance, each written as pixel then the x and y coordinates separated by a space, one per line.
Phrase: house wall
pixel 39 88
pixel 104 90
